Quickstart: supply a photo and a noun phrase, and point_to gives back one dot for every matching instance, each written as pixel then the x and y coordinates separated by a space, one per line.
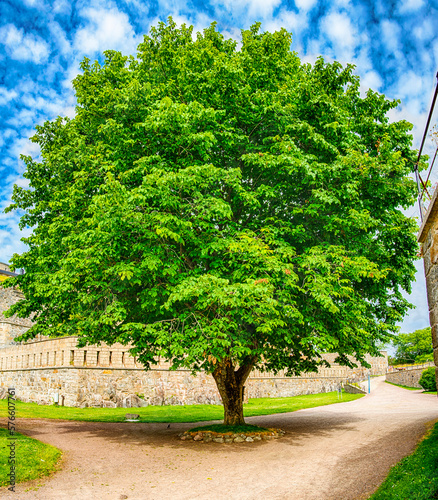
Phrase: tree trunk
pixel 230 384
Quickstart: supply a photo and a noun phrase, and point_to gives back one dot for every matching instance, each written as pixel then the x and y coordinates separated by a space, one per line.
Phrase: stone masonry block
pixel 435 356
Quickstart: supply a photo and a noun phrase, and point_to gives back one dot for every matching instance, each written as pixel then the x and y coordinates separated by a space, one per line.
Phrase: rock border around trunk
pixel 230 437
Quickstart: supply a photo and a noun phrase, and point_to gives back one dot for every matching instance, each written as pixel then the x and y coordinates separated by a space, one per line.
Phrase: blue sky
pixel 393 43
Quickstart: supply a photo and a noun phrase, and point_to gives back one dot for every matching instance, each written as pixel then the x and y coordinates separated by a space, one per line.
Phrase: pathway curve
pixel 338 452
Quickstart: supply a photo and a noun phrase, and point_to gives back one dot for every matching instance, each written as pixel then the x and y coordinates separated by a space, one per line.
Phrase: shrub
pixel 427 380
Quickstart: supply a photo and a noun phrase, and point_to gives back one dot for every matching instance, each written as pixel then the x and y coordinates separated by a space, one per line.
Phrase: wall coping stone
pixel 6 321
pixel 106 368
pixel 30 342
pixel 103 368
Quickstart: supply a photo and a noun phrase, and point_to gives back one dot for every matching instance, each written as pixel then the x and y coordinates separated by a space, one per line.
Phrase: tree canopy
pixel 415 347
pixel 222 206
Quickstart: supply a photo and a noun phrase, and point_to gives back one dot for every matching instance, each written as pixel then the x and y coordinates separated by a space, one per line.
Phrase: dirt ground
pixel 338 452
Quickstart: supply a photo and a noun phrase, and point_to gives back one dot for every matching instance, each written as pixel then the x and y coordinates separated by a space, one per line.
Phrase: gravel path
pixel 338 452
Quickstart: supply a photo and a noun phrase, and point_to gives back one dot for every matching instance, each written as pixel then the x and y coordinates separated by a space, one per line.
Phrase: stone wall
pixel 62 352
pixel 408 376
pixel 13 326
pixel 428 237
pixel 100 387
pixel 352 389
pixel 109 376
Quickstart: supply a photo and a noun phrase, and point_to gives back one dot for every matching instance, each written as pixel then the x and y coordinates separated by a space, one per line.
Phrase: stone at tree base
pixel 132 416
pixel 228 437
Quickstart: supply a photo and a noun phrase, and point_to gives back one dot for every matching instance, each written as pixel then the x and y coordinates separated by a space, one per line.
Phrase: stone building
pixel 428 237
pixel 45 370
pixel 14 326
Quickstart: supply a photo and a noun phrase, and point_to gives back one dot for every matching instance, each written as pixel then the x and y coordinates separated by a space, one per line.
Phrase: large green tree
pixel 222 206
pixel 415 347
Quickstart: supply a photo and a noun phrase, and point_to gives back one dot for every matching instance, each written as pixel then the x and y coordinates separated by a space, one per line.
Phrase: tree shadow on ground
pixel 298 427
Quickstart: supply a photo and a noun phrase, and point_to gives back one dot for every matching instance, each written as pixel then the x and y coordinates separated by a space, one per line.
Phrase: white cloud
pixel 24 117
pixel 39 104
pixel 7 133
pixel 250 8
pixel 59 36
pixel 10 235
pixel 140 6
pixel 305 5
pixel 70 74
pixel 199 22
pixel 23 47
pixel 419 317
pixel 23 146
pixel 289 20
pixel 314 49
pixel 414 116
pixel 410 6
pixel 33 3
pixel 425 31
pixel 435 50
pixel 50 105
pixel 172 7
pixel 62 7
pixel 232 33
pixel 371 80
pixel 340 31
pixel 105 30
pixel 7 95
pixel 411 85
pixel 391 34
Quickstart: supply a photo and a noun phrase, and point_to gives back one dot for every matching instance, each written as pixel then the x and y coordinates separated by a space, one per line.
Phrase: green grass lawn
pixel 411 388
pixel 416 476
pixel 183 413
pixel 33 458
pixel 404 386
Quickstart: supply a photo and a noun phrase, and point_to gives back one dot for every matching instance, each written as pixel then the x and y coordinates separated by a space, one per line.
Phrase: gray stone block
pixel 132 416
